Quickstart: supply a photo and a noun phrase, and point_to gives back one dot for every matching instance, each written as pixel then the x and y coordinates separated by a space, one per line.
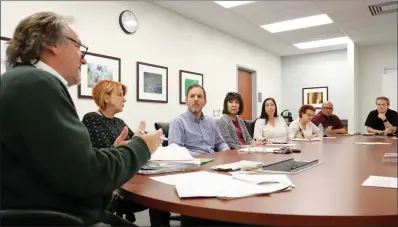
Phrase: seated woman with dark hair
pixel 303 128
pixel 232 127
pixel 104 128
pixel 269 126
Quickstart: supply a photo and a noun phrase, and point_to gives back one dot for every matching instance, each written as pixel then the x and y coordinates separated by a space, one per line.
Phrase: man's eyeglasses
pixel 328 108
pixel 83 48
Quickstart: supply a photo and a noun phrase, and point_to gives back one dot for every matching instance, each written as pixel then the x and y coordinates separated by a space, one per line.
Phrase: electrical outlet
pixel 216 113
pixel 260 97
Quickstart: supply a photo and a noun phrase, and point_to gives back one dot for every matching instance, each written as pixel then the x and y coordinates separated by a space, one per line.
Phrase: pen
pixel 162 138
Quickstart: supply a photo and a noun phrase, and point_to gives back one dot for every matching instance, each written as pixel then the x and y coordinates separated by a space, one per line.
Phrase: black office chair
pixel 287 115
pixel 250 126
pixel 37 218
pixel 165 127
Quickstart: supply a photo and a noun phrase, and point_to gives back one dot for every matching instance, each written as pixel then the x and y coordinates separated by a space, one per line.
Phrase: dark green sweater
pixel 47 161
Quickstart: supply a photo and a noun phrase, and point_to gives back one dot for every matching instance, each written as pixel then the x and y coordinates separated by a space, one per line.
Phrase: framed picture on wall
pixel 99 67
pixel 3 53
pixel 315 96
pixel 152 83
pixel 187 79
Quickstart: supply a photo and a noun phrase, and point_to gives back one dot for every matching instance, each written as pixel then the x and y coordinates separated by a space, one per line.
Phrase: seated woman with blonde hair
pixel 231 126
pixel 102 124
pixel 270 127
pixel 104 128
pixel 303 128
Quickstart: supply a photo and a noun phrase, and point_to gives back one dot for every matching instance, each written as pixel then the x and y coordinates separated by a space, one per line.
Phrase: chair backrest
pixel 165 127
pixel 37 218
pixel 250 126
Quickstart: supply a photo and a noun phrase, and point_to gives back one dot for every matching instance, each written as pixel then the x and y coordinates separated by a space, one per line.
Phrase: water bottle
pixel 321 131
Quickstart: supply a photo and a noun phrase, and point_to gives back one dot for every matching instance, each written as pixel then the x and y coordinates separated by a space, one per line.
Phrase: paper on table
pixel 372 143
pixel 263 178
pixel 205 160
pixel 201 176
pixel 384 182
pixel 259 149
pixel 226 188
pixel 368 134
pixel 280 145
pixel 241 165
pixel 171 153
pixel 309 140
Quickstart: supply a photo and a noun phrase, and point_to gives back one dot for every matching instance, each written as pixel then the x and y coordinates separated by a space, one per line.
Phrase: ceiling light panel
pixel 299 23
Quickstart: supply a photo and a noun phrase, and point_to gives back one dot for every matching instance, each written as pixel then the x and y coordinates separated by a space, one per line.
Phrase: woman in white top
pixel 303 128
pixel 269 126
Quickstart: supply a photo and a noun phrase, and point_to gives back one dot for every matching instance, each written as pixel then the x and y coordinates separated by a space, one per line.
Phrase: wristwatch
pixel 385 120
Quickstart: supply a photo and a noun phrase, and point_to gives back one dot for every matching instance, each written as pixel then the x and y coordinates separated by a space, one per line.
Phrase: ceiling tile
pixel 293 36
pixel 338 5
pixel 355 23
pixel 348 15
pixel 389 18
pixel 327 28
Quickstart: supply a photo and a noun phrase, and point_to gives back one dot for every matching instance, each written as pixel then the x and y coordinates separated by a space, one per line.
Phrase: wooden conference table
pixel 330 194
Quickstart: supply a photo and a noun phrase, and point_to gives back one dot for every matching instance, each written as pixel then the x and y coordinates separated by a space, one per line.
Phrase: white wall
pixel 372 62
pixel 163 38
pixel 353 81
pixel 317 70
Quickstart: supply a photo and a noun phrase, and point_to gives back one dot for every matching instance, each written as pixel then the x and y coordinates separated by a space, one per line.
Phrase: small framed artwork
pixel 99 67
pixel 187 79
pixel 152 83
pixel 3 53
pixel 315 96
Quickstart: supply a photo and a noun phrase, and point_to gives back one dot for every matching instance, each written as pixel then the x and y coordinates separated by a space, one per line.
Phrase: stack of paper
pixel 170 159
pixel 258 149
pixel 241 165
pixel 372 143
pixel 206 184
pixel 390 157
pixel 262 179
pixel 307 140
pixel 228 189
pixel 383 182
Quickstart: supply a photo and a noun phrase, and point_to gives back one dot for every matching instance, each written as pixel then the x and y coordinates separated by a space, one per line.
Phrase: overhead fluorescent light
pixel 299 23
pixel 323 43
pixel 230 4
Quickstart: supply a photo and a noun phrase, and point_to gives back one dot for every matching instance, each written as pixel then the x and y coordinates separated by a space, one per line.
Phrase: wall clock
pixel 128 22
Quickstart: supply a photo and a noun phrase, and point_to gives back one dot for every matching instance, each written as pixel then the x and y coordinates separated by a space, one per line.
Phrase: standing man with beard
pixel 382 120
pixel 193 130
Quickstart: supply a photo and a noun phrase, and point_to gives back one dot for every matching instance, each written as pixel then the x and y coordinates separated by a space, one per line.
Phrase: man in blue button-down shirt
pixel 193 130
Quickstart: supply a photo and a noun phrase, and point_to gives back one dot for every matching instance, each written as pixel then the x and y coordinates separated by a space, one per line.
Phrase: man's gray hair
pixel 33 34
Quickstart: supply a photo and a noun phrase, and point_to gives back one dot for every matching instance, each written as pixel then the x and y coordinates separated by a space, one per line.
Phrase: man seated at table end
pixel 382 120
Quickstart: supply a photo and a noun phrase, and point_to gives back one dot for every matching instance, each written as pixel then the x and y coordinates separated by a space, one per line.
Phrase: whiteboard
pixel 389 87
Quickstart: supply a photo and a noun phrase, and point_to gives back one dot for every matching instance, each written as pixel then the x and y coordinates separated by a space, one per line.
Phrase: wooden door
pixel 246 91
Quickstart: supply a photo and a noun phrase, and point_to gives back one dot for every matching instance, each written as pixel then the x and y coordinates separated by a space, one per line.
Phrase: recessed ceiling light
pixel 298 23
pixel 323 43
pixel 230 4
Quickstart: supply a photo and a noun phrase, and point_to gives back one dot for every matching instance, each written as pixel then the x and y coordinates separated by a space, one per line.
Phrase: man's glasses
pixel 83 48
pixel 328 108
